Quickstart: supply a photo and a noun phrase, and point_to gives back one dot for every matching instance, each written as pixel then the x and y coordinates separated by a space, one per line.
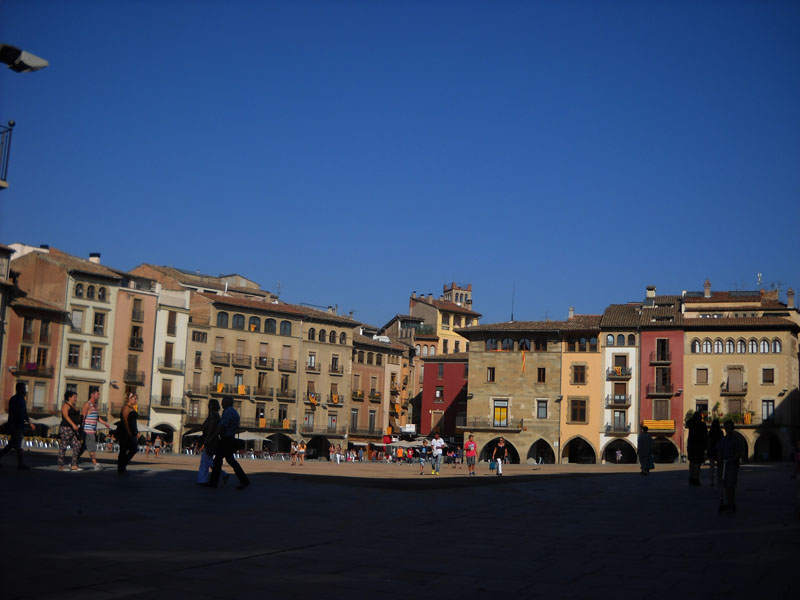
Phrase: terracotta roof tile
pixel 79 265
pixel 621 316
pixel 281 308
pixel 27 302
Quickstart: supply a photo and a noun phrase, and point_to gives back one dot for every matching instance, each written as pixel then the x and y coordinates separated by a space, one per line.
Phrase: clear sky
pixel 355 151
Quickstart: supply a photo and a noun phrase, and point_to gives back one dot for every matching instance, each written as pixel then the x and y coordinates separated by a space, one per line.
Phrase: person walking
pixel 128 433
pixel 209 443
pixel 17 422
pixel 696 446
pixel 644 447
pixel 91 417
pixel 301 453
pixel 424 451
pixel 499 455
pixel 730 452
pixel 68 432
pixel 227 428
pixel 293 453
pixel 470 451
pixel 437 445
pixel 714 436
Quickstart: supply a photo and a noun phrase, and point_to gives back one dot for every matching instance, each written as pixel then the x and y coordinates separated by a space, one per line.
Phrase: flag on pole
pixel 523 361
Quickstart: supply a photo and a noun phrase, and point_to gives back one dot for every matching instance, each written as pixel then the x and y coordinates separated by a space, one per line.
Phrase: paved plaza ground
pixel 382 531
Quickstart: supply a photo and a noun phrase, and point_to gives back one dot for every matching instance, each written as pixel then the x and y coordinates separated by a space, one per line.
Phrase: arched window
pixel 101 294
pixel 433 350
pixel 269 326
pixel 90 292
pixel 491 344
pixel 706 346
pixel 222 319
pixel 620 340
pixel 418 350
pixel 79 290
pixel 369 358
pixel 237 322
pixel 286 328
pixel 424 351
pixel 593 344
pixel 763 347
pixel 525 344
pixel 332 337
pixel 361 355
pixel 695 346
pixel 343 338
pixel 582 345
pixel 312 334
pixel 741 347
pixel 508 344
pixel 776 346
pixel 254 324
pixel 610 339
pixel 717 346
pixel 631 340
pixel 752 347
pixel 322 335
pixel 730 347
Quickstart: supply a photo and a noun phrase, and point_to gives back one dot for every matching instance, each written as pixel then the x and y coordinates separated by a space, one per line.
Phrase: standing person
pixel 227 428
pixel 17 419
pixel 157 446
pixel 470 451
pixel 423 456
pixel 730 451
pixel 499 455
pixel 696 446
pixel 91 417
pixel 618 455
pixel 293 453
pixel 301 453
pixel 128 433
pixel 209 442
pixel 644 445
pixel 437 444
pixel 68 432
pixel 338 454
pixel 714 436
pixel 360 454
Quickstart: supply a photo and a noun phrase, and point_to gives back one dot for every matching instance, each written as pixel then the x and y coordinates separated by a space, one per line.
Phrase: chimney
pixel 94 257
pixel 414 294
pixel 707 289
pixel 44 246
pixel 651 292
pixel 430 297
pixel 571 313
pixel 790 298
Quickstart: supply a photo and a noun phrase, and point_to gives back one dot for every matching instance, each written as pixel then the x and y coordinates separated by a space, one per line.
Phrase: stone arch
pixel 665 450
pixel 486 452
pixel 280 442
pixel 609 452
pixel 541 452
pixel 767 448
pixel 578 450
pixel 317 447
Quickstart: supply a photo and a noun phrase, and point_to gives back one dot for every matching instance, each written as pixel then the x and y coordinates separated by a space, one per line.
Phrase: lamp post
pixel 20 60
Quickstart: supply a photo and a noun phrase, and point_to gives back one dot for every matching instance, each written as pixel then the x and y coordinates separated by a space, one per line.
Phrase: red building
pixel 444 394
pixel 661 369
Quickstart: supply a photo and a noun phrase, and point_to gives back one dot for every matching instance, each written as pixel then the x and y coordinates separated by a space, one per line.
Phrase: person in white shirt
pixel 437 444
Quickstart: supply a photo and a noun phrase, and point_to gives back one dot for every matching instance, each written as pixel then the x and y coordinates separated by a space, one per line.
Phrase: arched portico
pixel 280 442
pixel 627 452
pixel 578 450
pixel 665 450
pixel 317 447
pixel 541 452
pixel 486 452
pixel 168 431
pixel 767 448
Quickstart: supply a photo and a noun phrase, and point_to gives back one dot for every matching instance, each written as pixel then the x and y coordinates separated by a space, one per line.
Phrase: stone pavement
pixel 377 530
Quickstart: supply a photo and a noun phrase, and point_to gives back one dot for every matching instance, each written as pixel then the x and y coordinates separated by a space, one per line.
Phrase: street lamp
pixel 19 60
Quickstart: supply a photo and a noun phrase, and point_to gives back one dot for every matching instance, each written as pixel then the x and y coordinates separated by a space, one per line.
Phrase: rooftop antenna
pixel 758 281
pixel 278 292
pixel 513 295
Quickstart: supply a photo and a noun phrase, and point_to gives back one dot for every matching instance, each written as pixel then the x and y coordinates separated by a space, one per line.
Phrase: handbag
pixel 492 465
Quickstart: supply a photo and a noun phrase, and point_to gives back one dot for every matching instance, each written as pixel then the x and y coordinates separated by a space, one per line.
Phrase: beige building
pixel 442 318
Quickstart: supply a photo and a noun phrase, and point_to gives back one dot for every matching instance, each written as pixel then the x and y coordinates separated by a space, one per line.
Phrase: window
pixel 335 363
pixel 540 375
pixel 322 335
pixel 25 355
pixel 417 350
pixel 729 347
pixel 343 338
pixel 776 345
pixel 763 347
pixel 540 345
pixel 702 376
pixel 371 424
pixel 500 416
pixel 237 322
pixel 379 359
pixel 718 346
pixel 579 374
pixel 752 347
pixel 767 409
pixel 101 294
pixel 524 344
pixel 491 344
pixel 90 292
pixel 541 409
pixel 768 376
pixel 78 293
pixel 706 346
pixel 74 355
pixel 44 332
pixel 97 358
pixel 332 337
pixel 631 340
pixel 354 418
pixel 701 406
pixel 620 340
pixel 38 395
pixel 27 329
pixel 593 344
pixel 172 317
pixel 582 345
pixel 269 326
pixel 370 358
pixel 254 324
pixel 441 371
pixel 439 394
pixel 741 347
pixel 199 336
pixel 661 409
pixel 445 346
pixel 570 345
pixel 508 344
pixel 577 410
pixel 77 320
pixel 695 346
pixel 610 340
pixel 222 319
pixel 457 345
pixel 99 323
pixel 41 357
pixel 490 374
pixel 312 334
pixel 198 360
pixel 361 356
pixel 286 328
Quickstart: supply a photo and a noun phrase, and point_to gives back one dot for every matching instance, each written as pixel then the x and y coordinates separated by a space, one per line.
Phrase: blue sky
pixel 356 151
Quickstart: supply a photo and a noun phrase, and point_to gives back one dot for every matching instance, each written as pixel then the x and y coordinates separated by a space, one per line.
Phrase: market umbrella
pixel 51 421
pixel 249 435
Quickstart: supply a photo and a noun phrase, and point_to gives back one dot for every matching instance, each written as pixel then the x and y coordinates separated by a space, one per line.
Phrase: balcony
pixel 474 424
pixel 286 395
pixel 171 365
pixel 660 358
pixel 285 364
pixel 335 399
pixel 195 389
pixel 660 389
pixel 374 432
pixel 234 389
pixel 618 401
pixel 33 369
pixel 241 360
pixel 137 315
pixel 263 392
pixel 394 389
pixel 618 373
pixel 617 429
pixel 133 377
pixel 220 358
pixel 166 402
pixel 263 362
pixel 659 425
pixel 358 395
pixel 726 389
pixel 268 424
pixel 197 419
pixel 336 370
pixel 312 368
pixel 375 396
pixel 313 398
pixel 136 343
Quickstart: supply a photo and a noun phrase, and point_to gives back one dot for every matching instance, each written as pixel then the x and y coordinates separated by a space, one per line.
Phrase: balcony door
pixel 500 413
pixel 735 379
